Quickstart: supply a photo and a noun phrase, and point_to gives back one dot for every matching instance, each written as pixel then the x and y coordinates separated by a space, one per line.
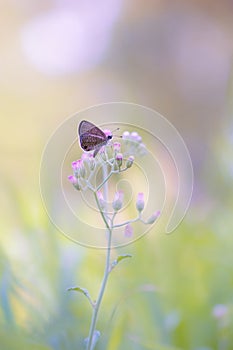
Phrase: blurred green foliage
pixel 161 298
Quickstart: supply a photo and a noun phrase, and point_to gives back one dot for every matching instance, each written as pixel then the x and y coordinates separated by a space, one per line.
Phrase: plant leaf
pixel 83 291
pixel 80 290
pixel 120 258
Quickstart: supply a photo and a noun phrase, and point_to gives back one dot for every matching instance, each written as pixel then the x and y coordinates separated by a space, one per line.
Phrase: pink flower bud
pixel 119 158
pixel 125 135
pixel 72 179
pixel 140 202
pixel 101 200
pixel 116 147
pixel 129 161
pixel 85 157
pixel 135 137
pixel 88 159
pixel 77 166
pixel 153 217
pixel 75 182
pixel 128 231
pixel 118 200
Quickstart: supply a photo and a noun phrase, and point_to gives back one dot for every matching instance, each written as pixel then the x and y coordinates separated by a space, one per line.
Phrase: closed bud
pixel 101 200
pixel 129 161
pixel 153 217
pixel 140 202
pixel 89 160
pixel 77 165
pixel 118 200
pixel 73 179
pixel 134 136
pixel 126 135
pixel 119 158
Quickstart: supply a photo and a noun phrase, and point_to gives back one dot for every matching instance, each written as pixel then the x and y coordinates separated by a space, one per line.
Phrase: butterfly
pixel 91 137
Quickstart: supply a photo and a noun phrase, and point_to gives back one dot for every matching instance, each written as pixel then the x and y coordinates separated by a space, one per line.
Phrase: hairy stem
pixel 105 179
pixel 107 262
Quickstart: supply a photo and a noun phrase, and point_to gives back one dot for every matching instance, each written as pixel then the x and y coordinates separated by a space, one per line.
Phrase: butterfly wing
pixel 89 142
pixel 91 137
pixel 87 127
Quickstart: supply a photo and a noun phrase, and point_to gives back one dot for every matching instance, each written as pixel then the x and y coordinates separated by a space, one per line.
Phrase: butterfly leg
pixel 97 148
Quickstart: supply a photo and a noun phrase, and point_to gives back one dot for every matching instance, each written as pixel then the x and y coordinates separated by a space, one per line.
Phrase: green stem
pixel 138 218
pixel 102 213
pixel 105 179
pixel 107 262
pixel 128 222
pixel 101 293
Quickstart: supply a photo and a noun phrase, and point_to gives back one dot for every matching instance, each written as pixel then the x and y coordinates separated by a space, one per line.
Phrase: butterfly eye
pixel 109 137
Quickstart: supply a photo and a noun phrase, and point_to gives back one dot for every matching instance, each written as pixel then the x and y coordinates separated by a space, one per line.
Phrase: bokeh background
pixel 57 57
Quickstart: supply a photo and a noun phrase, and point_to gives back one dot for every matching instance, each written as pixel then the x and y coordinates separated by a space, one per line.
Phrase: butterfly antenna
pixel 114 131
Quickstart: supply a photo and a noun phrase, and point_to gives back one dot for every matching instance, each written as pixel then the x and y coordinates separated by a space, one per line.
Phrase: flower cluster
pixel 118 156
pixel 115 158
pixel 82 169
pixel 133 144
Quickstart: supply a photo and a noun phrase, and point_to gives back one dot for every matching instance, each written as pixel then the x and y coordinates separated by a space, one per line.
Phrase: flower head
pixel 89 160
pixel 129 161
pixel 117 147
pixel 133 143
pixel 153 217
pixel 118 156
pixel 125 135
pixel 77 164
pixel 73 179
pixel 119 159
pixel 140 202
pixel 85 157
pixel 135 137
pixel 101 200
pixel 118 200
pixel 78 167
